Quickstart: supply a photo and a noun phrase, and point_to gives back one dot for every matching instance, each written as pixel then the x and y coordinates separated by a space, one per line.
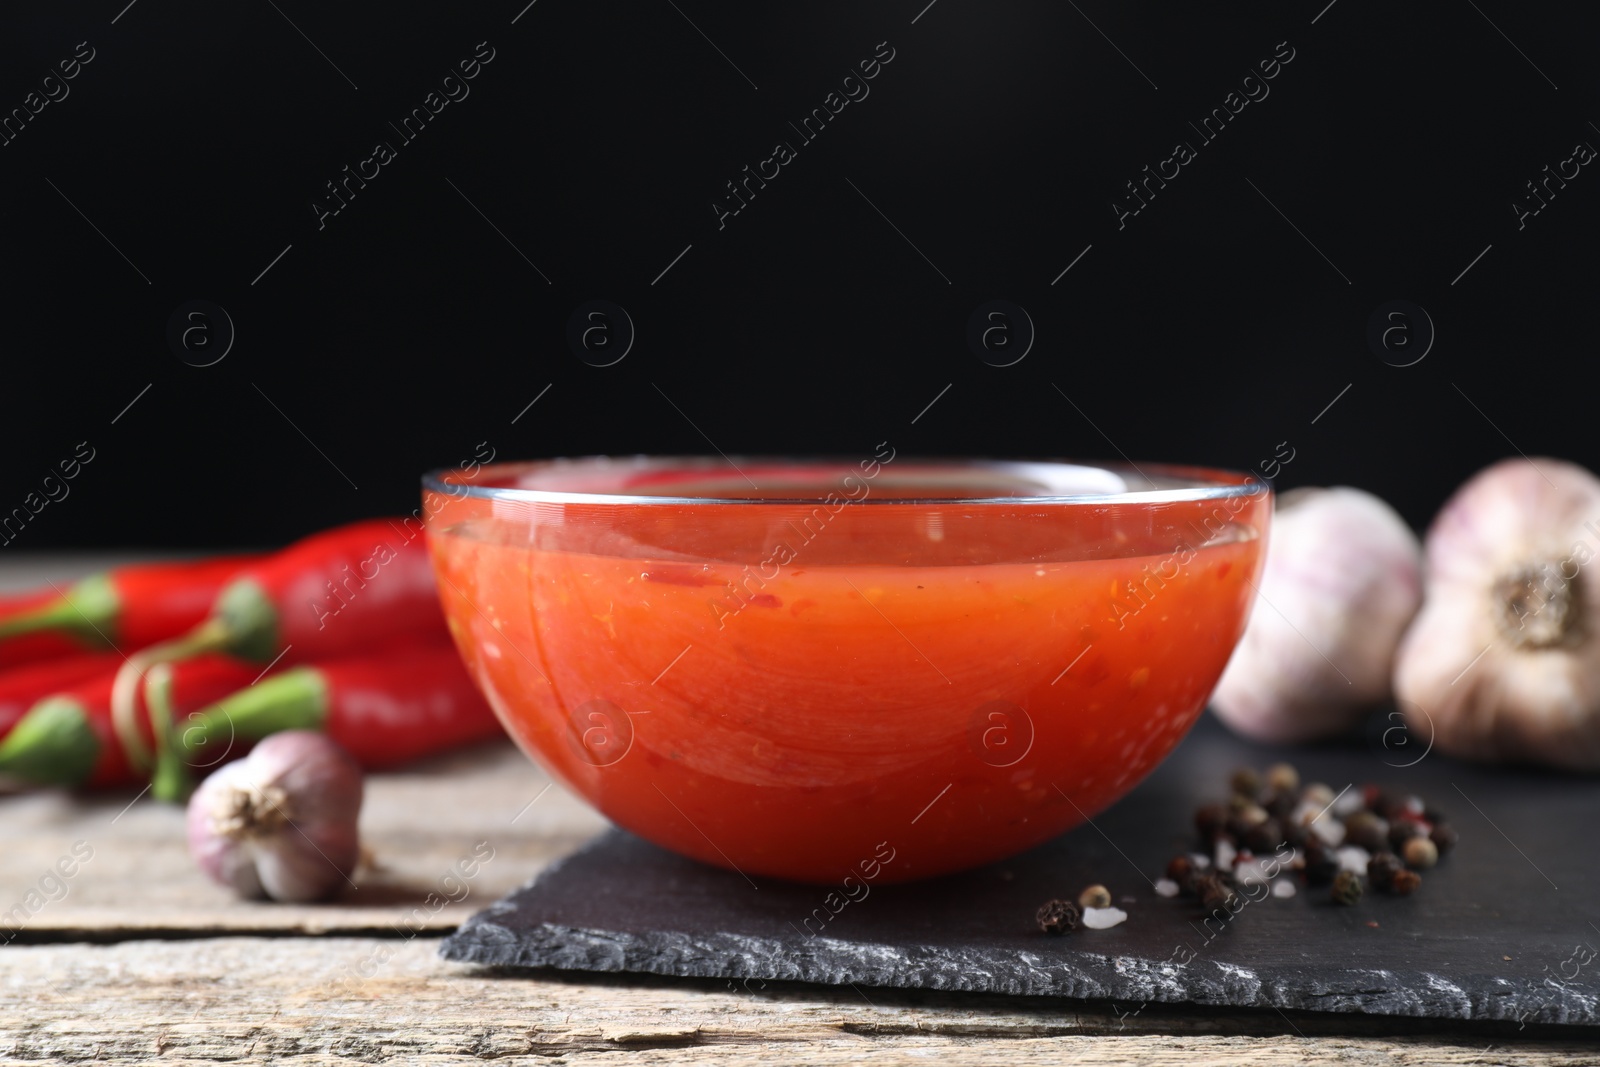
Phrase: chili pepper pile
pixel 341 632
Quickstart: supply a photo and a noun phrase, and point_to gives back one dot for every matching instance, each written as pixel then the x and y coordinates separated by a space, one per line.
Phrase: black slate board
pixel 1505 928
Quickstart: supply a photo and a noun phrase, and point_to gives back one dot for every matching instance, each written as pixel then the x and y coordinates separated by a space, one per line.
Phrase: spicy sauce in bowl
pixel 888 669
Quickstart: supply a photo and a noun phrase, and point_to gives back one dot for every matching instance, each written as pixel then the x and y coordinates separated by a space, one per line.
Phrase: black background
pixel 407 330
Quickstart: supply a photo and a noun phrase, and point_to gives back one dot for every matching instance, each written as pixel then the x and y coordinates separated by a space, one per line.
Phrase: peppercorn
pixel 1403 830
pixel 1420 853
pixel 1209 821
pixel 1246 782
pixel 1321 865
pixel 1367 830
pixel 1181 870
pixel 1318 794
pixel 1283 778
pixel 1059 917
pixel 1405 882
pixel 1214 892
pixel 1346 888
pixel 1444 837
pixel 1266 837
pixel 1246 819
pixel 1381 869
pixel 1095 896
pixel 1278 805
pixel 1373 799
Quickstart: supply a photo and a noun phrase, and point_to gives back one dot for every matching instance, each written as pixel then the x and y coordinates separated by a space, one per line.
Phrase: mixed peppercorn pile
pixel 1273 833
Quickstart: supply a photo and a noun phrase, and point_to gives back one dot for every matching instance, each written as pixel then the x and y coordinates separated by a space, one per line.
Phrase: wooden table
pixel 142 959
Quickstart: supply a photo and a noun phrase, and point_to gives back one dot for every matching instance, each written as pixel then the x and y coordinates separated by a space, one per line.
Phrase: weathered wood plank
pixel 419 825
pixel 342 1000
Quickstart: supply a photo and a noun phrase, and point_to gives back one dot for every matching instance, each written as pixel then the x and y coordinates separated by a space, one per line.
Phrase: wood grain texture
pixel 419 824
pixel 338 1000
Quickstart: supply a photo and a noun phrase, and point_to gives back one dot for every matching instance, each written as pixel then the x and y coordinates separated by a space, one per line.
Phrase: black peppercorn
pixel 1278 805
pixel 1266 837
pixel 1209 821
pixel 1346 888
pixel 1321 865
pixel 1444 837
pixel 1283 779
pixel 1382 868
pixel 1246 782
pixel 1247 818
pixel 1403 830
pixel 1059 917
pixel 1366 830
pixel 1214 892
pixel 1405 882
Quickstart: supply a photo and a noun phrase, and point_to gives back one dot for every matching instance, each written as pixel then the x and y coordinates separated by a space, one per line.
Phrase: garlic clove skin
pixel 1342 580
pixel 1503 663
pixel 280 823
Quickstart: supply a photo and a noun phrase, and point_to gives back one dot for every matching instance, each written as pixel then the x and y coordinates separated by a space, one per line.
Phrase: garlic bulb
pixel 280 823
pixel 1504 660
pixel 1341 582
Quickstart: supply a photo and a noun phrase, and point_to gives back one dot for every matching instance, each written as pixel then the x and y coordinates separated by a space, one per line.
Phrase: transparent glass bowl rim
pixel 1209 483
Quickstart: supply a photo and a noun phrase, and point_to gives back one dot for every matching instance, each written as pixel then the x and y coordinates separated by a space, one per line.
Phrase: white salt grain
pixel 1201 860
pixel 1353 859
pixel 1226 854
pixel 1349 802
pixel 1103 918
pixel 1331 831
pixel 1253 871
pixel 1283 890
pixel 1166 887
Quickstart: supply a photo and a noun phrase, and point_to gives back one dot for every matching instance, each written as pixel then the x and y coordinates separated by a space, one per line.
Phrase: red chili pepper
pixel 23 687
pixel 332 594
pixel 68 739
pixel 126 608
pixel 383 710
pixel 32 648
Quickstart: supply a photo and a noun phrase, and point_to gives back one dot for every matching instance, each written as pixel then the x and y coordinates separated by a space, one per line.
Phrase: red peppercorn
pixel 1405 882
pixel 1182 871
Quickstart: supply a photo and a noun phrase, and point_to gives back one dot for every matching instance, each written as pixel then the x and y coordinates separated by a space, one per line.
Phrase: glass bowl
pixel 884 668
